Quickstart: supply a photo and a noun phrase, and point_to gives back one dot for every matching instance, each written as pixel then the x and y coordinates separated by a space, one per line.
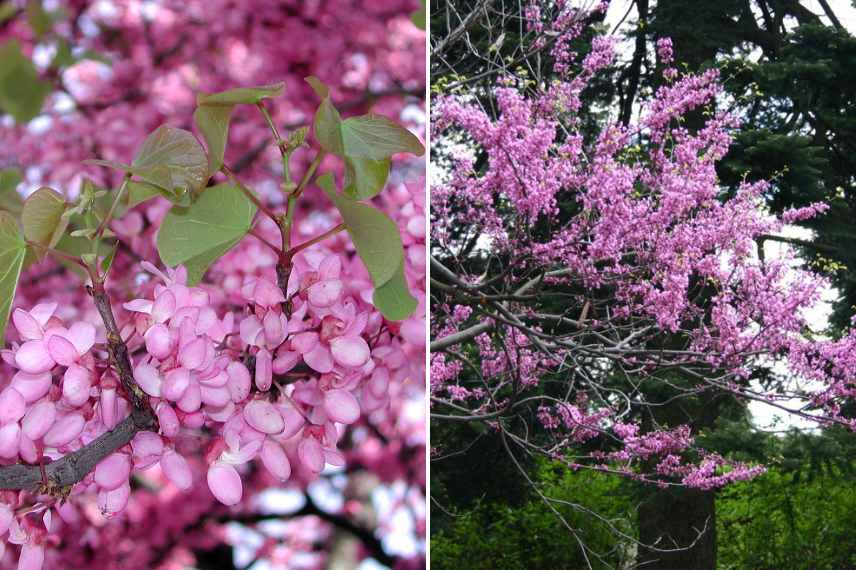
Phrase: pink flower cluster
pixel 641 244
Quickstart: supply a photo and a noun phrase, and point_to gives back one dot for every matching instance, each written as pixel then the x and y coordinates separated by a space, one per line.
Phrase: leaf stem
pixel 255 233
pixel 103 225
pixel 279 142
pixel 310 172
pixel 249 193
pixel 58 254
pixel 319 238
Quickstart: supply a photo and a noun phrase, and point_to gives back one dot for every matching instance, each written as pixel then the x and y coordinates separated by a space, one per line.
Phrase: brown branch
pixel 468 22
pixel 118 350
pixel 831 15
pixel 247 159
pixel 72 468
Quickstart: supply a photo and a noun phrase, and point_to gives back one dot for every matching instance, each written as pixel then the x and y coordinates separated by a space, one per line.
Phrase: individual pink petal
pixel 264 370
pixel 350 351
pixel 275 460
pixel 239 381
pixel 148 378
pixel 82 336
pixel 65 430
pixel 109 407
pixel 206 320
pixel 293 285
pixel 293 421
pixel 139 306
pixel 27 449
pixel 251 329
pixel 159 341
pixel 189 314
pixel 32 386
pixel 32 557
pixel 331 434
pixel 199 297
pixel 330 267
pixel 179 275
pixel 308 393
pixel 175 383
pixel 192 355
pixel 341 406
pixel 325 293
pixel 33 357
pixel 215 378
pixel 6 516
pixel 10 439
pixel 62 350
pixel 167 420
pixel 76 385
pixel 164 306
pixel 311 455
pixel 191 400
pixel 413 331
pixel 267 294
pixel 214 396
pixel 147 448
pixel 370 403
pixel 113 502
pixel 379 381
pixel 39 420
pixel 225 483
pixel 221 414
pixel 43 312
pixel 113 471
pixel 334 458
pixel 12 406
pixel 263 416
pixel 17 534
pixel 8 356
pixel 305 342
pixel 26 325
pixel 274 329
pixel 285 360
pixel 319 359
pixel 176 469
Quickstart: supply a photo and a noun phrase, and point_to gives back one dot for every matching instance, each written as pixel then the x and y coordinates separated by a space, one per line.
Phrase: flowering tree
pixel 596 296
pixel 193 327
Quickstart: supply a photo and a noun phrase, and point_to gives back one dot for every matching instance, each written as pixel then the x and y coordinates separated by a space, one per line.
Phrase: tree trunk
pixel 672 519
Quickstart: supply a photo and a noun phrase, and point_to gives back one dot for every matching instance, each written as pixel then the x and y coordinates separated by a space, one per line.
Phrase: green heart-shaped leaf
pixel 375 236
pixel 172 159
pixel 214 110
pixel 364 177
pixel 377 137
pixel 12 253
pixel 378 243
pixel 393 298
pixel 10 200
pixel 201 233
pixel 366 143
pixel 419 16
pixel 22 92
pixel 241 95
pixel 213 123
pixel 139 192
pixel 42 218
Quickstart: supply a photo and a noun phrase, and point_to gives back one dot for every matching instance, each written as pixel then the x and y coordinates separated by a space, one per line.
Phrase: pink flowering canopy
pixel 580 276
pixel 215 292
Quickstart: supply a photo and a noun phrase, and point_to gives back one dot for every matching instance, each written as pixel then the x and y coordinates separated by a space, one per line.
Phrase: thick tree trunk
pixel 673 519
